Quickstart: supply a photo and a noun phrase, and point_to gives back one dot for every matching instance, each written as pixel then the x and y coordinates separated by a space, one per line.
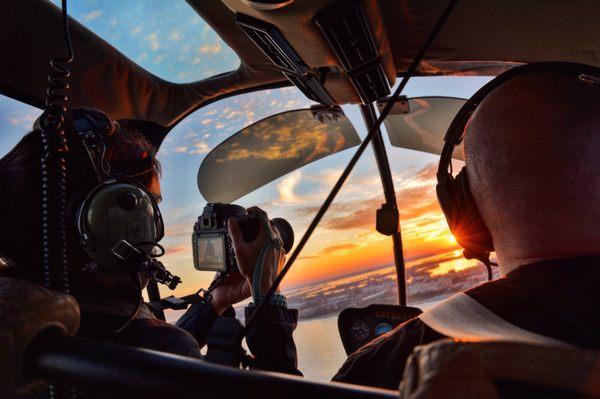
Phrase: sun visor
pixel 420 123
pixel 271 148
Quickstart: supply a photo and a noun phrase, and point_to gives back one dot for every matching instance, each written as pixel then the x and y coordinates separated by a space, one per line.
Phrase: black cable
pixel 488 266
pixel 54 171
pixel 342 179
pixel 55 272
pixel 136 278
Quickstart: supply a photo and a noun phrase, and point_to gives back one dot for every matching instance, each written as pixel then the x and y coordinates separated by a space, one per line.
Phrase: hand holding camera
pixel 244 245
pixel 247 252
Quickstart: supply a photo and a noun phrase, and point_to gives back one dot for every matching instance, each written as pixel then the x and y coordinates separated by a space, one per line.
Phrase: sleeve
pixel 380 363
pixel 271 341
pixel 198 320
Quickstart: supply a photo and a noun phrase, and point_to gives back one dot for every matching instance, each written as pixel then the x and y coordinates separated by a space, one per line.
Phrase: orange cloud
pixel 357 245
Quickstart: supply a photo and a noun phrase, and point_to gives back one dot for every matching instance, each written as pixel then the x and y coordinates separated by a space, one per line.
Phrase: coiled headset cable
pixel 54 170
pixel 55 273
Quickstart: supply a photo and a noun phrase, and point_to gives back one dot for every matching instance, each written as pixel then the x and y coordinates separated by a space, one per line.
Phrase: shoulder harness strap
pixel 462 318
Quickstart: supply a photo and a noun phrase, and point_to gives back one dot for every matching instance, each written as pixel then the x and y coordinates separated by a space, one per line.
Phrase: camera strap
pixel 202 295
pixel 276 245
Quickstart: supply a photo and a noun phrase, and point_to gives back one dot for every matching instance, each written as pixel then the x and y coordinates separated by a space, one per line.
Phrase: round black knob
pixel 128 201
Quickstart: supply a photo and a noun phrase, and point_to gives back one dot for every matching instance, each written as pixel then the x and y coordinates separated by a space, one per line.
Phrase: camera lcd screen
pixel 211 252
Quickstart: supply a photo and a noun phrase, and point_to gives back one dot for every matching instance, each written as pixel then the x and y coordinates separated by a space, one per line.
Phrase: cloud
pixel 427 173
pixel 180 149
pixel 362 217
pixel 92 15
pixel 200 147
pixel 178 249
pixel 22 118
pixel 287 186
pixel 153 39
pixel 143 57
pixel 210 49
pixel 175 35
pixel 417 203
pixel 336 249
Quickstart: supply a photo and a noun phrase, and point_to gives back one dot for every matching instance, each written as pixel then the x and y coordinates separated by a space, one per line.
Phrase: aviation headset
pixel 454 194
pixel 119 207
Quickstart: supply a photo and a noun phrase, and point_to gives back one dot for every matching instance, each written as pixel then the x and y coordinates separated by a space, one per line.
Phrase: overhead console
pixel 335 52
pixel 272 43
pixel 348 33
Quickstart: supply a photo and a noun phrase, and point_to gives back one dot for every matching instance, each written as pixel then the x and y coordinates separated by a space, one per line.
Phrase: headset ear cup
pixel 114 210
pixel 462 214
pixel 472 232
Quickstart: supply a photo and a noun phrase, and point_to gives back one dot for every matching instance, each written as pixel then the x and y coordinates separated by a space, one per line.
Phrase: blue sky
pixel 175 44
pixel 170 40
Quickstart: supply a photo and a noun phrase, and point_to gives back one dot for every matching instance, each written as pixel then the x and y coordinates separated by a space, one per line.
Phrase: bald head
pixel 532 153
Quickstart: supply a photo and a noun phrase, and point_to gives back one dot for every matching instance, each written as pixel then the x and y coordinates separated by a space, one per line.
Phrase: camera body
pixel 211 244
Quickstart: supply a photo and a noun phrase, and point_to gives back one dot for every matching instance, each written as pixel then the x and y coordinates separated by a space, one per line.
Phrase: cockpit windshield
pixel 172 41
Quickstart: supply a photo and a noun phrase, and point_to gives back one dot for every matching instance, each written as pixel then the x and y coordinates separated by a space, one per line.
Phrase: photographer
pixel 110 303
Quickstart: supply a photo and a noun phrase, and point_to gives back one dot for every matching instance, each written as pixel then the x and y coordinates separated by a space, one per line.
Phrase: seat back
pixel 451 369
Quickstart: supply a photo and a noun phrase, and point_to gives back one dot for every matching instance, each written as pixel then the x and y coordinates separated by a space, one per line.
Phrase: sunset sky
pixel 177 45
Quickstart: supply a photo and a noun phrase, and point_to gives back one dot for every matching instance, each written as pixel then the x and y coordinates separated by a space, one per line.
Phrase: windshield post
pixel 391 206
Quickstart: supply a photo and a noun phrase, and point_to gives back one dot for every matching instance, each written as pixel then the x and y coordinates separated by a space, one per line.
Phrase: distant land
pixel 427 278
pixel 409 262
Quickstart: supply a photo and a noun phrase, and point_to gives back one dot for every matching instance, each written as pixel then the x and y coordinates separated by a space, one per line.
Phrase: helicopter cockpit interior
pixel 342 120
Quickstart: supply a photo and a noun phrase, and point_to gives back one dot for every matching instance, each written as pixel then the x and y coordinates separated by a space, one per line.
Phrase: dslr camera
pixel 211 243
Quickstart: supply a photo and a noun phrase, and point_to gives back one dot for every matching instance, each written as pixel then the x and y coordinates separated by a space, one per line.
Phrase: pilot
pixel 531 154
pixel 532 160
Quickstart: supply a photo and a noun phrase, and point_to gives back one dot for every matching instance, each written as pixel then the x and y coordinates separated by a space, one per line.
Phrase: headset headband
pixel 455 134
pixel 92 127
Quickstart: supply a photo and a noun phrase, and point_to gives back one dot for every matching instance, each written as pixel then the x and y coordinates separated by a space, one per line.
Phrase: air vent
pixel 349 35
pixel 272 43
pixel 371 84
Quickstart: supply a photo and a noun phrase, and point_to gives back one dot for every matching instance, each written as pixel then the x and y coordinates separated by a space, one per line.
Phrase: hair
pixel 128 153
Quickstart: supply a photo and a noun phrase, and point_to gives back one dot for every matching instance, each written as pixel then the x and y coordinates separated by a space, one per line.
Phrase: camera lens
pixel 286 232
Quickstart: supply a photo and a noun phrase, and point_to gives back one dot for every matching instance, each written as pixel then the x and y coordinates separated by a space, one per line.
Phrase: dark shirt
pixel 270 340
pixel 557 298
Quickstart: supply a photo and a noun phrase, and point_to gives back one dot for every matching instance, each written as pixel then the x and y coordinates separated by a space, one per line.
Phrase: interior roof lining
pixel 130 92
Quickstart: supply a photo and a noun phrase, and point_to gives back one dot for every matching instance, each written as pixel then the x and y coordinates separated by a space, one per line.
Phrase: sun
pixel 452 239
